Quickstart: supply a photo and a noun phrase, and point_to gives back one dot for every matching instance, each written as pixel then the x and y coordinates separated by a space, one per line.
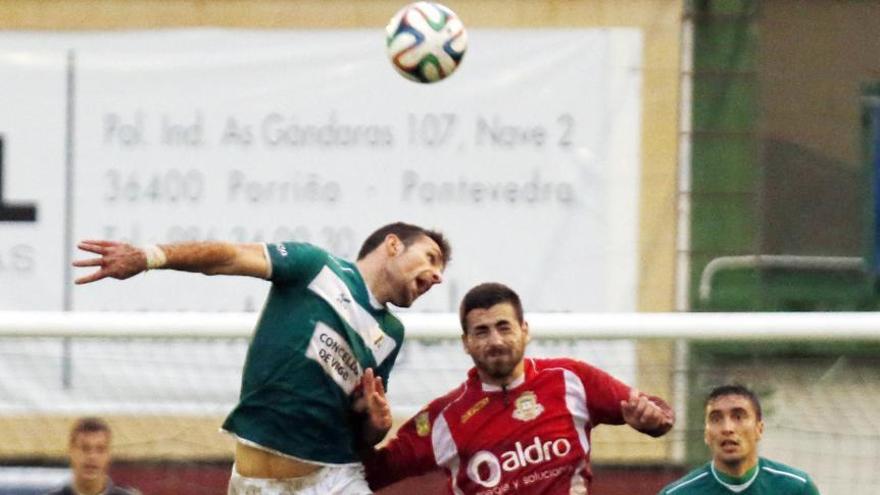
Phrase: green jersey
pixel 319 329
pixel 767 478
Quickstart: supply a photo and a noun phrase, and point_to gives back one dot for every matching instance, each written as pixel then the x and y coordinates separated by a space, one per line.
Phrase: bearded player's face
pixel 496 340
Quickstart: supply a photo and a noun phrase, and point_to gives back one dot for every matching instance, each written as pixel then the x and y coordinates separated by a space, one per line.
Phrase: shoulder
pixel 575 365
pixel 456 395
pixel 62 490
pixel 390 320
pixel 120 490
pixel 295 260
pixel 461 402
pixel 783 473
pixel 423 422
pixel 123 491
pixel 692 482
pixel 284 250
pixel 543 365
pixel 593 378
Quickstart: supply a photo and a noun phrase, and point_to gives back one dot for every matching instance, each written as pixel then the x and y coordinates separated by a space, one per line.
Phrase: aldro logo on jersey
pixel 485 468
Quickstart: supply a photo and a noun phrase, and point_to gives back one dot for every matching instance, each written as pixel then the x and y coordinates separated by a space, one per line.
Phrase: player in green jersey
pixel 733 429
pixel 325 324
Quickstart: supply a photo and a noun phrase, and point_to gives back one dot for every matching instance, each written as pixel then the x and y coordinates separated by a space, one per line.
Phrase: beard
pixel 402 300
pixel 403 297
pixel 499 363
pixel 405 292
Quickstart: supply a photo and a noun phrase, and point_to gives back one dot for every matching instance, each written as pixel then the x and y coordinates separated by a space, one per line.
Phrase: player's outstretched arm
pixel 120 260
pixel 649 415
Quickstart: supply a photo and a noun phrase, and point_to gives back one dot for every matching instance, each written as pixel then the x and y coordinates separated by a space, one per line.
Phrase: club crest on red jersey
pixel 526 406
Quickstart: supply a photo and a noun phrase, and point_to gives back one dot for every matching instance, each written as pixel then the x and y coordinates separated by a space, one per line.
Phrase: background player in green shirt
pixel 325 325
pixel 733 429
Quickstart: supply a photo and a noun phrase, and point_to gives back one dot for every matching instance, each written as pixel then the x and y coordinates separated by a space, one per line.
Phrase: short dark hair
pixel 407 233
pixel 735 389
pixel 486 295
pixel 89 424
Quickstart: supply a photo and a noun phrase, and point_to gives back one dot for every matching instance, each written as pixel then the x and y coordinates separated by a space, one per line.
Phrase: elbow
pixel 216 270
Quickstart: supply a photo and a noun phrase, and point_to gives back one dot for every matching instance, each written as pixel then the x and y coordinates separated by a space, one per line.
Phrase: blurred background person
pixel 89 450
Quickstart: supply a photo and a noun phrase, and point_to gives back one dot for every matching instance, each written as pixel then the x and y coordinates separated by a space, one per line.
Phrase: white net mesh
pixel 819 411
pixel 167 395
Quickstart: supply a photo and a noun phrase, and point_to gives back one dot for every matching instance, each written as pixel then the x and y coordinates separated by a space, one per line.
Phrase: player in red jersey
pixel 516 425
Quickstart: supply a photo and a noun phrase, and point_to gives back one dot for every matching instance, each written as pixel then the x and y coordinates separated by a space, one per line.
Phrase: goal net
pixel 165 382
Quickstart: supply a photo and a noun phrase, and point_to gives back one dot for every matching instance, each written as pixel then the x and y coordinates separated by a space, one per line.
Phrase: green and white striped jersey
pixel 766 478
pixel 319 329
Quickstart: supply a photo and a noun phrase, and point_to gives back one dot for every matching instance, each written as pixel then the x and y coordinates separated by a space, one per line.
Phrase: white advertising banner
pixel 527 158
pixel 33 116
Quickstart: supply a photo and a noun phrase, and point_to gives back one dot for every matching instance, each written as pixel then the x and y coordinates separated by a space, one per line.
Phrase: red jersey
pixel 532 436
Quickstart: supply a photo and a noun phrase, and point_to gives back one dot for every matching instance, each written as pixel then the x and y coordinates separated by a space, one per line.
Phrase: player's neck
pixel 504 381
pixel 737 469
pixel 372 275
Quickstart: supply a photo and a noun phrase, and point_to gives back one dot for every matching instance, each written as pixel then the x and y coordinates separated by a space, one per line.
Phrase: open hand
pixel 116 260
pixel 373 401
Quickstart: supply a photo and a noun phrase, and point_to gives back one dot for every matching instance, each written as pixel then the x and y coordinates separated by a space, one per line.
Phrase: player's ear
pixel 759 429
pixel 527 337
pixel 464 342
pixel 393 245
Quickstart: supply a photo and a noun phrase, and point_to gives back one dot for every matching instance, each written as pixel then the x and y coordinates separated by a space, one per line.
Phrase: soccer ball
pixel 426 41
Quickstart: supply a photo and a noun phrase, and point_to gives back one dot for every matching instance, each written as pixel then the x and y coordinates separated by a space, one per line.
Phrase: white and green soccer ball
pixel 426 41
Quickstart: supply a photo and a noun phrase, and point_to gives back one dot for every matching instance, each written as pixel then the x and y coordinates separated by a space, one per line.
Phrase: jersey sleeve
pixel 409 453
pixel 604 393
pixel 291 262
pixel 810 488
